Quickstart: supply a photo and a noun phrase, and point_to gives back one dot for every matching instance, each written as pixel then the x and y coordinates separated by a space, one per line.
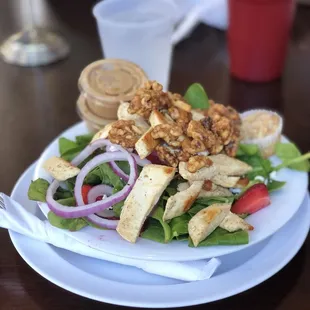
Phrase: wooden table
pixel 37 104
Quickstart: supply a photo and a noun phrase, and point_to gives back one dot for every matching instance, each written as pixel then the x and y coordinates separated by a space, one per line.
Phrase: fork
pixel 2 205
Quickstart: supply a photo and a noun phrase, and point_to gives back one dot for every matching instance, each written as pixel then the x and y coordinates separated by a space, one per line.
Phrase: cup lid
pixel 87 115
pixel 111 80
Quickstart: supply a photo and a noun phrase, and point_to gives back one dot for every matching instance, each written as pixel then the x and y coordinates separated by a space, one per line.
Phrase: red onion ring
pixel 99 190
pixel 118 171
pixel 105 223
pixel 84 210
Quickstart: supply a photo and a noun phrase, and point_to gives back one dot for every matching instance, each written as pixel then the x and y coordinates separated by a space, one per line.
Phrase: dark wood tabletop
pixel 36 104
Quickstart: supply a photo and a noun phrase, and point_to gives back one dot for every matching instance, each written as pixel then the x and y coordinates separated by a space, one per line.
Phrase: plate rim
pixel 163 288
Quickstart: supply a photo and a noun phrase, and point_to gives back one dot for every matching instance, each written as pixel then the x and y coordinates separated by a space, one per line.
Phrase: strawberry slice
pixel 251 201
pixel 85 189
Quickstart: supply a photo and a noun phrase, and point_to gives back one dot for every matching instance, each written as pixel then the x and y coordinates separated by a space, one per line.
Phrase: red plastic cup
pixel 258 36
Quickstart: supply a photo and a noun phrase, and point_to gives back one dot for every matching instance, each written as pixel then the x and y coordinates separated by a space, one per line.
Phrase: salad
pixel 171 168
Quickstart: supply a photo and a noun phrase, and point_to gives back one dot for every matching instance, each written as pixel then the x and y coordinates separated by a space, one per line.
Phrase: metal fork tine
pixel 2 206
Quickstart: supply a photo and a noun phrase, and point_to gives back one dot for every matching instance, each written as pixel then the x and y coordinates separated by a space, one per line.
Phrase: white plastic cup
pixel 139 31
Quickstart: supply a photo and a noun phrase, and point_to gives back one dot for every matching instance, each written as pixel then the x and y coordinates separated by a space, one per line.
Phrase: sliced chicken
pixel 146 192
pixel 122 113
pixel 146 144
pixel 206 221
pixel 102 133
pixel 232 222
pixel 183 186
pixel 224 180
pixel 229 165
pixel 215 191
pixel 181 202
pixel 182 105
pixel 202 174
pixel 158 118
pixel 197 115
pixel 60 169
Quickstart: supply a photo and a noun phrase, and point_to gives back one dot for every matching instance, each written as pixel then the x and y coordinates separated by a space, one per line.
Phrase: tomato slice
pixel 85 189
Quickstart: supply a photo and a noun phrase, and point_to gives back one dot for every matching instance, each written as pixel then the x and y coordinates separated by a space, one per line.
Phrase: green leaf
pixel 158 215
pixel 70 202
pixel 117 208
pixel 84 139
pixel 291 157
pixel 37 190
pixel 179 225
pixel 154 231
pixel 104 174
pixel 223 237
pixel 66 145
pixel 274 185
pixel 247 149
pixel 69 224
pixel 260 165
pixel 62 193
pixel 197 97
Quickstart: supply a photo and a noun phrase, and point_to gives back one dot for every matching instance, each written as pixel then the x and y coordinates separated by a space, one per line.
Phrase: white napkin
pixel 14 217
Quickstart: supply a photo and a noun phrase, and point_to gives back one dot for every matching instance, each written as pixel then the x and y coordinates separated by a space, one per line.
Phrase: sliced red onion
pixel 141 162
pixel 118 171
pixel 91 208
pixel 92 147
pixel 105 223
pixel 99 190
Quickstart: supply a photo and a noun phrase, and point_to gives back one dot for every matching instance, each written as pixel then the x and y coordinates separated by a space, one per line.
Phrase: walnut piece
pixel 226 123
pixel 124 133
pixel 149 98
pixel 167 155
pixel 170 133
pixel 201 134
pixel 197 162
pixel 181 117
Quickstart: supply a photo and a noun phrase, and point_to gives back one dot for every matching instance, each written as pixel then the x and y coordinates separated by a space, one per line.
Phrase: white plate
pixel 284 205
pixel 129 286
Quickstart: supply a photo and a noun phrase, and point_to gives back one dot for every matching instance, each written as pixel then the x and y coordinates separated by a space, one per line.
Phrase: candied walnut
pixel 170 133
pixel 124 133
pixel 167 155
pixel 231 148
pixel 226 124
pixel 181 117
pixel 183 156
pixel 243 182
pixel 212 142
pixel 149 98
pixel 197 162
pixel 178 101
pixel 193 146
pixel 223 128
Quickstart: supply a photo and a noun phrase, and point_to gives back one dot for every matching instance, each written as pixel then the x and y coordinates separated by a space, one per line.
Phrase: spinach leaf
pixel 103 174
pixel 69 224
pixel 37 190
pixel 291 157
pixel 274 185
pixel 69 149
pixel 247 149
pixel 84 139
pixel 223 237
pixel 179 225
pixel 154 231
pixel 62 193
pixel 260 165
pixel 158 215
pixel 197 97
pixel 67 202
pixel 117 208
